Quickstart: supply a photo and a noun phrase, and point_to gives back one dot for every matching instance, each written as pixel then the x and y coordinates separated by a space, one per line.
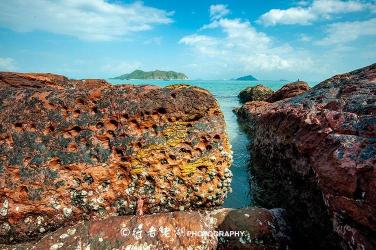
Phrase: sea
pixel 226 92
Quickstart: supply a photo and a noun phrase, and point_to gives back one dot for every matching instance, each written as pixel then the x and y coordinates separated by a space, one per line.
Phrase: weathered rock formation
pixel 315 156
pixel 262 93
pixel 289 90
pixel 255 93
pixel 84 149
pixel 253 228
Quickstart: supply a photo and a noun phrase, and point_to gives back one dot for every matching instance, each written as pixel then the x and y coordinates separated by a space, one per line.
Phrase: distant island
pixel 153 75
pixel 246 78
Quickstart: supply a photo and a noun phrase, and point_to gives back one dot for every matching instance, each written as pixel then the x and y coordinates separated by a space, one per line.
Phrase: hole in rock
pixel 99 125
pixel 124 159
pixel 75 131
pixel 119 151
pixel 24 189
pixel 55 162
pixel 27 160
pixel 51 128
pixel 162 110
pixel 33 127
pixel 94 158
pixel 88 179
pixel 80 101
pixel 195 118
pixel 113 124
pixel 77 112
pixel 72 147
pixel 202 168
pixel 18 125
pixel 94 110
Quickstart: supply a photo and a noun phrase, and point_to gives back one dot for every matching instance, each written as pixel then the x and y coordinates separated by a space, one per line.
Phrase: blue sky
pixel 290 39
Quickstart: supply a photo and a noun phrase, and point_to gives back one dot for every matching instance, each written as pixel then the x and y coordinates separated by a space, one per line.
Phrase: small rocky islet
pixel 79 158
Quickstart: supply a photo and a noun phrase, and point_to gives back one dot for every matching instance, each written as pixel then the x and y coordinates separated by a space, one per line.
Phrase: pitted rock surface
pixel 316 152
pixel 85 149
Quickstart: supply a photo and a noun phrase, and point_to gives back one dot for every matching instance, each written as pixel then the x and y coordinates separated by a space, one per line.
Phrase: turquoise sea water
pixel 226 93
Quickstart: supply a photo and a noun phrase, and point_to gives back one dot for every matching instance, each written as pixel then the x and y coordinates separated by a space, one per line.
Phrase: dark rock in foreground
pixel 253 228
pixel 256 93
pixel 315 156
pixel 84 149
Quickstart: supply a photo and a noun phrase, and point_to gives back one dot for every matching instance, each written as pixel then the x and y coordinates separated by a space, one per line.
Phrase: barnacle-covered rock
pixel 85 149
pixel 252 228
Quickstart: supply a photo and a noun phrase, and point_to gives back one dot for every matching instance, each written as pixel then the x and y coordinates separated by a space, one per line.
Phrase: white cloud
pixel 243 48
pixel 7 64
pixel 290 16
pixel 218 11
pixel 85 19
pixel 316 10
pixel 344 32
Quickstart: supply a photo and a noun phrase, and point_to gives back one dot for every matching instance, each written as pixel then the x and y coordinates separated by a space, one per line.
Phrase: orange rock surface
pixel 74 150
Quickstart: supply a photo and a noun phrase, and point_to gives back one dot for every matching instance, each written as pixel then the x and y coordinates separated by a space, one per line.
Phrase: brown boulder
pixel 315 156
pixel 85 149
pixel 289 90
pixel 255 93
pixel 253 228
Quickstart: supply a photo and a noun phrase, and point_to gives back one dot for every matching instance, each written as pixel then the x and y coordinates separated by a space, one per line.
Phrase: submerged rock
pixel 255 93
pixel 84 149
pixel 315 156
pixel 252 228
pixel 289 90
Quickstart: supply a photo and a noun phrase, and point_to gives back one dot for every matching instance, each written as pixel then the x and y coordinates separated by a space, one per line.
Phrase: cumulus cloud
pixel 85 19
pixel 218 11
pixel 344 32
pixel 308 14
pixel 243 48
pixel 7 64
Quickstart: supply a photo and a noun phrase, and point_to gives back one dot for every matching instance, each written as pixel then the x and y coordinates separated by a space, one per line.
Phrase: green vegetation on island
pixel 246 78
pixel 153 75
